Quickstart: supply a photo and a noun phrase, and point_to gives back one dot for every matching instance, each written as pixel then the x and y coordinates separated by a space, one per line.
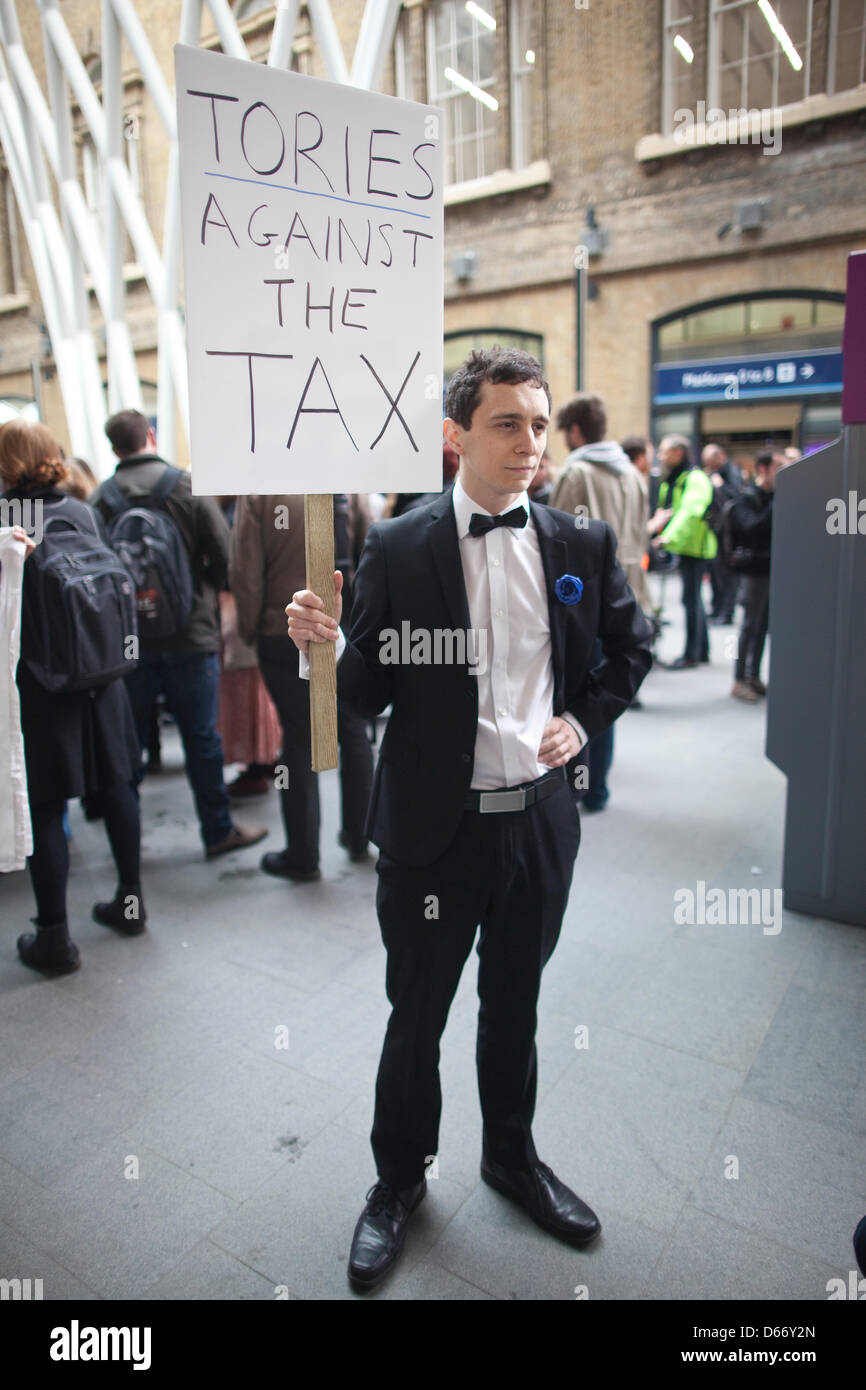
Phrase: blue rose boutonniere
pixel 569 589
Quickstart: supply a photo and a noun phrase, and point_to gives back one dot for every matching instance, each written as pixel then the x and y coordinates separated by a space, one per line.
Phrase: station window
pixel 459 345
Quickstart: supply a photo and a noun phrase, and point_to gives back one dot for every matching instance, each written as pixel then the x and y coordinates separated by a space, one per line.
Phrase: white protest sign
pixel 313 243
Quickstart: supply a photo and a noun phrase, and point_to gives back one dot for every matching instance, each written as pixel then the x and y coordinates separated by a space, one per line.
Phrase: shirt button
pixel 503 713
pixel 495 564
pixel 499 613
pixel 465 758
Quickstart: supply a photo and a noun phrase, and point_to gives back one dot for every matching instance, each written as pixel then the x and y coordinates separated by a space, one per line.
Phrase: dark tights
pixel 49 862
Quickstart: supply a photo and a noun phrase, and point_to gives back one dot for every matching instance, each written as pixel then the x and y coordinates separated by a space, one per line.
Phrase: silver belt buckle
pixel 502 801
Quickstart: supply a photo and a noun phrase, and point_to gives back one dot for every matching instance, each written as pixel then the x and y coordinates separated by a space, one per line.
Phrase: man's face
pixel 502 448
pixel 669 455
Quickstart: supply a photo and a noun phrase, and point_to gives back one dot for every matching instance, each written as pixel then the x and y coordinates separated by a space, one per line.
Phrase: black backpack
pixel 78 607
pixel 150 546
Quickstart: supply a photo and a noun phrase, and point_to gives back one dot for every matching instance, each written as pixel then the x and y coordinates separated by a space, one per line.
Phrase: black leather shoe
pixel 552 1205
pixel 381 1231
pixel 279 866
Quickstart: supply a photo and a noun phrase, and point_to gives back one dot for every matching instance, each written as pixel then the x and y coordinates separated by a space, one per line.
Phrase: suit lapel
pixel 446 558
pixel 554 557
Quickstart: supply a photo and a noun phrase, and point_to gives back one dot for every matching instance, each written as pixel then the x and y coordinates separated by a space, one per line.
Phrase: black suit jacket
pixel 410 571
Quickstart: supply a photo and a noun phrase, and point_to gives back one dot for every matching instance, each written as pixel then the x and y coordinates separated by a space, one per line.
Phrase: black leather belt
pixel 515 798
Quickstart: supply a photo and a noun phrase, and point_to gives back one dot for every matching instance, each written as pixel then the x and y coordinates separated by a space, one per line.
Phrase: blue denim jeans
pixel 190 683
pixel 697 637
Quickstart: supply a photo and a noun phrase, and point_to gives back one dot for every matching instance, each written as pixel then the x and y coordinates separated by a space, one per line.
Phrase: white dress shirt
pixel 507 593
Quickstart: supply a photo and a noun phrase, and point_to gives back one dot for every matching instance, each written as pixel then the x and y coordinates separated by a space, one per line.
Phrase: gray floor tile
pixel 711 1259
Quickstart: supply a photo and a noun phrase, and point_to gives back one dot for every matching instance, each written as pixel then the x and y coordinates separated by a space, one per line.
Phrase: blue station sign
pixel 748 378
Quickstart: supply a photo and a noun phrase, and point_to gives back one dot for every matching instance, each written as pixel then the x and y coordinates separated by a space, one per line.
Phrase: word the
pixel 845 519
pixel 734 907
pixel 438 646
pixel 76 1343
pixel 735 127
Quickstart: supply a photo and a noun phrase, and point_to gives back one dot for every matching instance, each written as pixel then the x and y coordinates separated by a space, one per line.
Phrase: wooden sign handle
pixel 319 544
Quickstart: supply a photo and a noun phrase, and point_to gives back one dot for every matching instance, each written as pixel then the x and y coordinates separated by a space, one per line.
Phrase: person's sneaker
pixel 281 866
pixel 744 691
pixel 381 1232
pixel 757 685
pixel 49 949
pixel 239 837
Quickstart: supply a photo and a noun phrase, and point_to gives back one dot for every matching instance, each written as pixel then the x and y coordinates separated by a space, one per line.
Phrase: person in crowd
pixel 400 502
pixel 680 526
pixel 185 667
pixel 248 724
pixel 267 561
pixel 598 480
pixel 80 480
pixel 746 541
pixel 461 743
pixel 542 484
pixel 641 453
pixel 727 481
pixel 79 743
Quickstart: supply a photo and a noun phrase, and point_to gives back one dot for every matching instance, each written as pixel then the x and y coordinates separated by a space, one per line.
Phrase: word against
pixel 26 513
pixel 734 127
pixel 438 646
pixel 844 519
pixel 855 1288
pixel 18 1290
pixel 732 907
pixel 75 1343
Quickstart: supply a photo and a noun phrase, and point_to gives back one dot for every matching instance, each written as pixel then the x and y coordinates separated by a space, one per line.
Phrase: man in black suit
pixel 472 807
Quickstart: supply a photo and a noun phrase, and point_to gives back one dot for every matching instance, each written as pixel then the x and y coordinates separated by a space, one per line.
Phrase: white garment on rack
pixel 16 835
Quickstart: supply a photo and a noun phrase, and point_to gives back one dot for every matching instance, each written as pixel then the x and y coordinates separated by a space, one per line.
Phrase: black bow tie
pixel 479 524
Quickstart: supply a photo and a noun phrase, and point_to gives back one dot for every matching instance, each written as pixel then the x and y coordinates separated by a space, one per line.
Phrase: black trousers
pixel 49 862
pixel 509 873
pixel 299 801
pixel 753 633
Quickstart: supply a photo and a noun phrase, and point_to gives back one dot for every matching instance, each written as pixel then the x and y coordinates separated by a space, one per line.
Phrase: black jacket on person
pixel 205 534
pixel 76 743
pixel 411 572
pixel 749 525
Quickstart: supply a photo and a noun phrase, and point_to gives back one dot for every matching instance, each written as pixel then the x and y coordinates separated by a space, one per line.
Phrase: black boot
pixel 125 913
pixel 50 949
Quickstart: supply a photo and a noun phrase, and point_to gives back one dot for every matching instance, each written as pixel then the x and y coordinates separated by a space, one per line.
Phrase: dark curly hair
pixel 496 365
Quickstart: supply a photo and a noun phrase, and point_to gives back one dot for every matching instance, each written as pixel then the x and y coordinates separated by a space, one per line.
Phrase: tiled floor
pixel 158 1141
